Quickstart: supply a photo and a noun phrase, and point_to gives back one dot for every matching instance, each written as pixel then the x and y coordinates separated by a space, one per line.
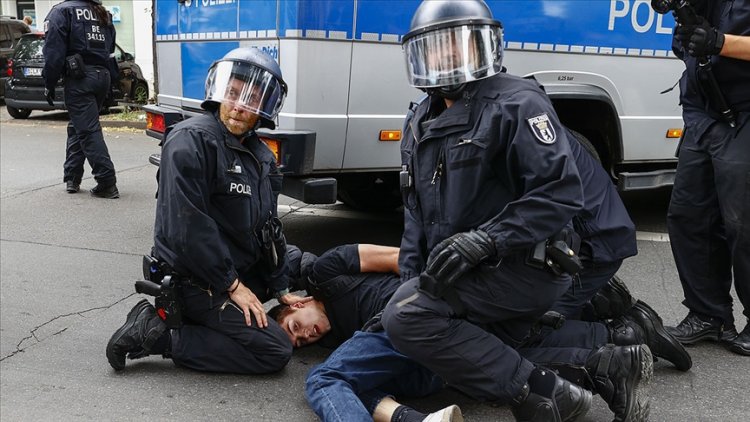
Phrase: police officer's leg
pixel 74 157
pixel 590 280
pixel 698 242
pixel 221 341
pixel 731 159
pixel 87 98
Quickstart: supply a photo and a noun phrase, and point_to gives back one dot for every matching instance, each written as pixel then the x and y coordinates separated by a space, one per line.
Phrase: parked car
pixel 11 30
pixel 25 86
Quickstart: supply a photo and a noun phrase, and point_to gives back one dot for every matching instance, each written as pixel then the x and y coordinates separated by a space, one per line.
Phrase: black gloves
pixel 699 40
pixel 458 254
pixel 49 94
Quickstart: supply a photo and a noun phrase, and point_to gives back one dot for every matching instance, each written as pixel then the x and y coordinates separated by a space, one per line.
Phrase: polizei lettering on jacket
pixel 240 188
pixel 85 14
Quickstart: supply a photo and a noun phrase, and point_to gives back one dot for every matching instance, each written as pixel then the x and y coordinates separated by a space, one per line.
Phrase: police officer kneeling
pixel 488 174
pixel 218 186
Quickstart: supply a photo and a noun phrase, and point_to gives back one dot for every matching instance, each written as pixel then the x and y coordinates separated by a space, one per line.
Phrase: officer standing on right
pixel 709 212
pixel 487 174
pixel 79 42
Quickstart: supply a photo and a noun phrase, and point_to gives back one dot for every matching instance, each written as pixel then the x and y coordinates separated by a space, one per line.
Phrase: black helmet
pixel 262 92
pixel 450 43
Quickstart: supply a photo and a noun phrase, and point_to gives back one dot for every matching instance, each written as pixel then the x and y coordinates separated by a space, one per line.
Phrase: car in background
pixel 24 89
pixel 11 30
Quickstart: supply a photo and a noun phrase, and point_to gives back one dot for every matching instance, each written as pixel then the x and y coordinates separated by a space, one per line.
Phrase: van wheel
pixel 140 93
pixel 369 191
pixel 587 145
pixel 19 113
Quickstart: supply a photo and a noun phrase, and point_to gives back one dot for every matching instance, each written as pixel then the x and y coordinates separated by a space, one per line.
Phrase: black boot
pixel 613 300
pixel 548 398
pixel 143 334
pixel 642 325
pixel 107 192
pixel 741 343
pixel 620 374
pixel 695 328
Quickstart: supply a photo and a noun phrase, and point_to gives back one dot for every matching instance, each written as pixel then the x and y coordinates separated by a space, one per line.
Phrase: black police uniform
pixel 710 205
pixel 606 230
pixel 71 28
pixel 497 160
pixel 215 193
pixel 350 297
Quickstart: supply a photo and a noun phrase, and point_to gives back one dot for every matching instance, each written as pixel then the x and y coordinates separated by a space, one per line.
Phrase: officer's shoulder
pixel 504 85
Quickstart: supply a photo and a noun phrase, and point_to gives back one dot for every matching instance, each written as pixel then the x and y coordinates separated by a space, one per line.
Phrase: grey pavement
pixel 68 262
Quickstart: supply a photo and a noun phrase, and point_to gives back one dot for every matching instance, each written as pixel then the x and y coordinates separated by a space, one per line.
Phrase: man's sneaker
pixel 741 343
pixel 620 374
pixel 108 192
pixel 548 398
pixel 642 325
pixel 72 186
pixel 613 300
pixel 695 328
pixel 451 413
pixel 137 336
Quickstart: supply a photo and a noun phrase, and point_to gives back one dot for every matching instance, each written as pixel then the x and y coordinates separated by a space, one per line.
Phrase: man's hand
pixel 456 255
pixel 248 302
pixel 700 40
pixel 291 299
pixel 49 94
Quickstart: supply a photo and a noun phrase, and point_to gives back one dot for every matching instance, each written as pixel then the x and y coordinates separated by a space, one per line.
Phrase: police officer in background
pixel 709 212
pixel 487 174
pixel 216 230
pixel 79 42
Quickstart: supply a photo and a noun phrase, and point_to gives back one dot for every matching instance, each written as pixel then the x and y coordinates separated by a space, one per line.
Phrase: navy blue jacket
pixel 71 27
pixel 606 230
pixel 497 160
pixel 729 17
pixel 215 194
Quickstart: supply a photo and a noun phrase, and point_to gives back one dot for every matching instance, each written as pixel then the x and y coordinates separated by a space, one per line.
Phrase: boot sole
pixel 114 360
pixel 679 357
pixel 641 408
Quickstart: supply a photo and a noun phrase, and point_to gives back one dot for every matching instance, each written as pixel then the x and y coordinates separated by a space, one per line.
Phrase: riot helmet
pixel 248 78
pixel 451 43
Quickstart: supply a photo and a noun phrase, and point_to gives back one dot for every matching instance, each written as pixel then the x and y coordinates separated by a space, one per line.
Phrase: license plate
pixel 32 71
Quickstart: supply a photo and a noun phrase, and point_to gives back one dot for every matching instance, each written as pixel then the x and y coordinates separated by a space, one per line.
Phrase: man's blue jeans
pixel 360 373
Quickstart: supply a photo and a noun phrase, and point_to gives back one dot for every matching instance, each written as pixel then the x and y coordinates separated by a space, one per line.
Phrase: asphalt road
pixel 68 262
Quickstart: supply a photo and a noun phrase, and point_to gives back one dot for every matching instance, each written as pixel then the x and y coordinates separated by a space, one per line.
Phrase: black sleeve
pixel 335 262
pixel 57 31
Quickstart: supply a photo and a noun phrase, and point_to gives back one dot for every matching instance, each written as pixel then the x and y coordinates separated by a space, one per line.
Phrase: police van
pixel 606 64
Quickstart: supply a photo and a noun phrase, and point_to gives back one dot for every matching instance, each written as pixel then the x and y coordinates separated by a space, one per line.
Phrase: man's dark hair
pixel 279 312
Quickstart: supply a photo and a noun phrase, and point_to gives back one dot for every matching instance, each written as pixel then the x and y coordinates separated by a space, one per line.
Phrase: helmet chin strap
pixel 451 92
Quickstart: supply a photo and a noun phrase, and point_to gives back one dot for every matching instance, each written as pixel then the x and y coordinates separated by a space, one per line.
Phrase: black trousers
pixel 478 353
pixel 709 218
pixel 84 98
pixel 216 338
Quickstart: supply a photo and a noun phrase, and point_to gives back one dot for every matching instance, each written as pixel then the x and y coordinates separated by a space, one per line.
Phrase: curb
pixel 118 124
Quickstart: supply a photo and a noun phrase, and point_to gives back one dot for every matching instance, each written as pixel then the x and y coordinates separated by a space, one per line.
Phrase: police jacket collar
pixel 453 119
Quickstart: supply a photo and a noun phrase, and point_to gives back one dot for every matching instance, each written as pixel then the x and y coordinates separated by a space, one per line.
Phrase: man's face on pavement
pixel 234 114
pixel 306 324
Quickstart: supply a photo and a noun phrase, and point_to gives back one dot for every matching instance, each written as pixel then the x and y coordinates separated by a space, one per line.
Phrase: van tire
pixel 587 145
pixel 19 113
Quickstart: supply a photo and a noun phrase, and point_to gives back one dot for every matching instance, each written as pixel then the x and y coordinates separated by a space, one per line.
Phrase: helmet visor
pixel 243 85
pixel 454 55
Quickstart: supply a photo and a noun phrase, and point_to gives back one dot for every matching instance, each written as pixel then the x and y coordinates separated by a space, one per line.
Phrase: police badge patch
pixel 542 129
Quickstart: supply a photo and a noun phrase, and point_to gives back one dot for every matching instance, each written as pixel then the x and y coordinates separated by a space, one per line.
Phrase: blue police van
pixel 606 64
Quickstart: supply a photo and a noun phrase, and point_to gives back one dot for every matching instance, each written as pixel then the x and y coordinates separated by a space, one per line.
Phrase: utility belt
pixel 162 282
pixel 76 66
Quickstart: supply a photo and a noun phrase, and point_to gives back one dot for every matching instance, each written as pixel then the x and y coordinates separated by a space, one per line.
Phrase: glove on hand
pixel 700 40
pixel 49 94
pixel 458 254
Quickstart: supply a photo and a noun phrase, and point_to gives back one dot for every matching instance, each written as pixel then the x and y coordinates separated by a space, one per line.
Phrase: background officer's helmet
pixel 248 78
pixel 450 43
